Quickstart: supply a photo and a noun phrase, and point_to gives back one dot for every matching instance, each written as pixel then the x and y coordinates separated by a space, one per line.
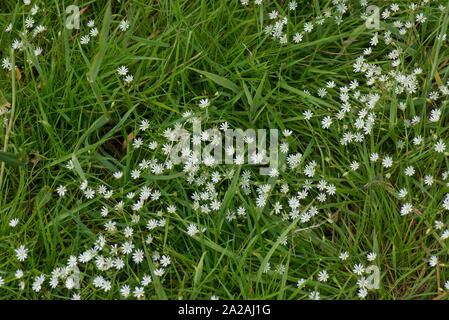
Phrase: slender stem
pixel 11 118
pixel 437 52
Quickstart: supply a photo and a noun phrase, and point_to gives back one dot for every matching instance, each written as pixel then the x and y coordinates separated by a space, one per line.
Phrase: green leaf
pixel 231 191
pixel 168 177
pixel 43 197
pixel 160 292
pixel 98 59
pixel 3 101
pixel 219 80
pixel 278 242
pixel 307 97
pixel 99 123
pixel 199 271
pixel 10 158
pixel 149 42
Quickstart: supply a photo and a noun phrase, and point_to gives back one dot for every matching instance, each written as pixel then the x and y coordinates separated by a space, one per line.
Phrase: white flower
pixel 417 140
pixel 314 295
pixel 6 64
pixel 204 103
pixel 13 222
pixel 371 256
pixel 18 274
pixel 406 209
pixel 283 39
pixel 125 291
pixel 409 171
pixel 308 114
pixel 21 253
pixel 374 157
pixel 138 292
pixel 435 115
pixel 17 45
pixel 326 122
pixel 129 78
pixel 144 125
pixel 359 269
pixel 83 185
pixel 297 38
pixel 292 5
pixel 159 272
pixel 37 51
pixel 273 14
pixel 323 276
pixel 192 230
pixel 122 71
pixel 34 10
pixel 284 147
pixel 387 162
pixel 344 255
pixel 61 190
pixel 29 22
pixel 362 293
pixel 308 26
pixel 440 146
pixel 135 174
pixel 138 256
pixel 39 29
pixel 137 143
pixel 420 18
pixel 433 261
pixel 402 193
pixel 124 25
pixel 165 260
pixel 118 174
pixel 85 39
pixel 300 282
pixel 354 165
pixel 428 180
pixel 146 280
pixel 93 32
pixel 89 193
pixel 70 165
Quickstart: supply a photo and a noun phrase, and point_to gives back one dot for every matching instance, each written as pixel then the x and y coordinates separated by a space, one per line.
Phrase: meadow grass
pixel 70 104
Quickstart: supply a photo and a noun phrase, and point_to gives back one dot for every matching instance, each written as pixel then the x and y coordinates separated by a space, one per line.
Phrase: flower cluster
pixel 380 121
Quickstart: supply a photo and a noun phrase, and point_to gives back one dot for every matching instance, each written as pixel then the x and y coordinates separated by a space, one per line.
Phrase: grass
pixel 71 104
